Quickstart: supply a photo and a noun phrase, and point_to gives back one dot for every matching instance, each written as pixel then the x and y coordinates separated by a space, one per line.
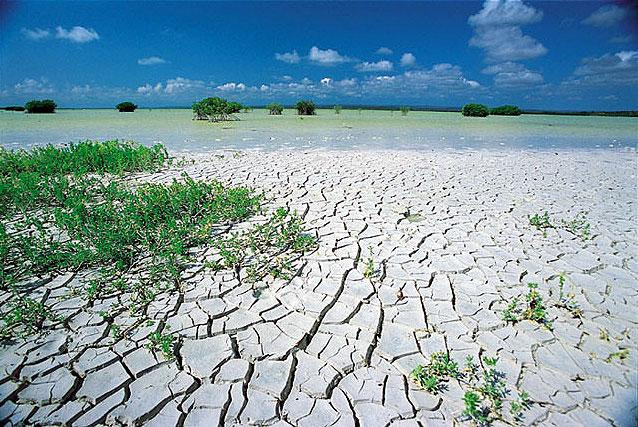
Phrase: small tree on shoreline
pixel 37 106
pixel 506 110
pixel 305 108
pixel 275 109
pixel 126 107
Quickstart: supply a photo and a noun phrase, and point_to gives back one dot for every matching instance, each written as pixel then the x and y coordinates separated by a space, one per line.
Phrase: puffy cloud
pixel 374 66
pixel 264 88
pixel 326 57
pixel 606 16
pixel 497 31
pixel 384 51
pixel 151 60
pixel 180 84
pixel 505 13
pixel 35 34
pixel 523 78
pixel 619 68
pixel 326 81
pixel 77 34
pixel 288 57
pixel 33 86
pixel 232 86
pixel 408 60
pixel 148 89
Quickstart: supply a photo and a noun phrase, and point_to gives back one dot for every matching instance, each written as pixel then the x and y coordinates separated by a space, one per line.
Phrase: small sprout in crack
pixel 370 269
pixel 116 330
pixel 621 355
pixel 604 334
pixel 541 222
pixel 579 226
pixel 161 342
pixel 567 300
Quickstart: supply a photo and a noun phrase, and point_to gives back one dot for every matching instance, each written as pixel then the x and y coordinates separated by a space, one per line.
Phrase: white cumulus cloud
pixel 375 66
pixel 35 33
pixel 408 60
pixel 606 16
pixel 33 86
pixel 384 51
pixel 497 31
pixel 148 89
pixel 326 57
pixel 288 57
pixel 232 86
pixel 77 34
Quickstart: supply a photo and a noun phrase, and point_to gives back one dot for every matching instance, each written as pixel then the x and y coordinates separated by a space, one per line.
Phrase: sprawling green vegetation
pixel 485 389
pixel 70 209
pixel 40 106
pixel 126 107
pixel 532 309
pixel 275 109
pixel 305 108
pixel 506 110
pixel 215 109
pixel 14 108
pixel 475 110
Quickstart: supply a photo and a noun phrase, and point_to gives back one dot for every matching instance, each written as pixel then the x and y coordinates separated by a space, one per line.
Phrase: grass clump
pixel 533 308
pixel 370 269
pixel 485 389
pixel 567 300
pixel 338 109
pixel 541 222
pixel 404 110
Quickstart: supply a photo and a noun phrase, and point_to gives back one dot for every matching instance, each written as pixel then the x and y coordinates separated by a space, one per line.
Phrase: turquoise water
pixel 327 130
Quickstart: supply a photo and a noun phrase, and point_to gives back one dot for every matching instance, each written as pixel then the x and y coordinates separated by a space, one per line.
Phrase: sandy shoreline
pixel 450 235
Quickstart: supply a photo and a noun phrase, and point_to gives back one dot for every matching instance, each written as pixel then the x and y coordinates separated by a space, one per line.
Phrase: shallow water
pixel 349 130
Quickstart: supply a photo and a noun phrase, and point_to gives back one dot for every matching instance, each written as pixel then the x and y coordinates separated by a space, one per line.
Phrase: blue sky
pixel 554 55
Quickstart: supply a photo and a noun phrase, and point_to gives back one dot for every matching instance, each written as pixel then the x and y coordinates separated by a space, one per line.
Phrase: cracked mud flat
pixel 450 236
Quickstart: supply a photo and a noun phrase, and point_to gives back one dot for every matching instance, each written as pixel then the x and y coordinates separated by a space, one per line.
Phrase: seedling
pixel 541 222
pixel 370 269
pixel 579 226
pixel 161 342
pixel 621 355
pixel 567 300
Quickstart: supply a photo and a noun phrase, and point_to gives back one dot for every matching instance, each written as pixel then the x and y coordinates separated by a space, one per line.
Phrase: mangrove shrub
pixel 40 106
pixel 337 109
pixel 275 109
pixel 475 110
pixel 126 107
pixel 506 110
pixel 405 111
pixel 305 108
pixel 215 109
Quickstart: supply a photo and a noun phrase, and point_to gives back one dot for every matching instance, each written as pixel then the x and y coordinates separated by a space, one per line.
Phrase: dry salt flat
pixel 450 236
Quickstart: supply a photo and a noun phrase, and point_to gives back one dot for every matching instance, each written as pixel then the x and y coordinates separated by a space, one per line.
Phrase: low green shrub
pixel 215 109
pixel 305 108
pixel 275 109
pixel 337 109
pixel 40 106
pixel 404 110
pixel 14 108
pixel 506 110
pixel 475 110
pixel 126 107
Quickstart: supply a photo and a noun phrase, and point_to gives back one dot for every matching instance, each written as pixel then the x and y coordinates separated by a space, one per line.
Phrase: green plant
pixel 275 109
pixel 40 106
pixel 506 110
pixel 370 269
pixel 404 110
pixel 475 110
pixel 337 109
pixel 22 316
pixel 485 389
pixel 215 109
pixel 578 226
pixel 567 300
pixel 541 222
pixel 305 108
pixel 126 107
pixel 14 108
pixel 161 342
pixel 533 310
pixel 621 355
